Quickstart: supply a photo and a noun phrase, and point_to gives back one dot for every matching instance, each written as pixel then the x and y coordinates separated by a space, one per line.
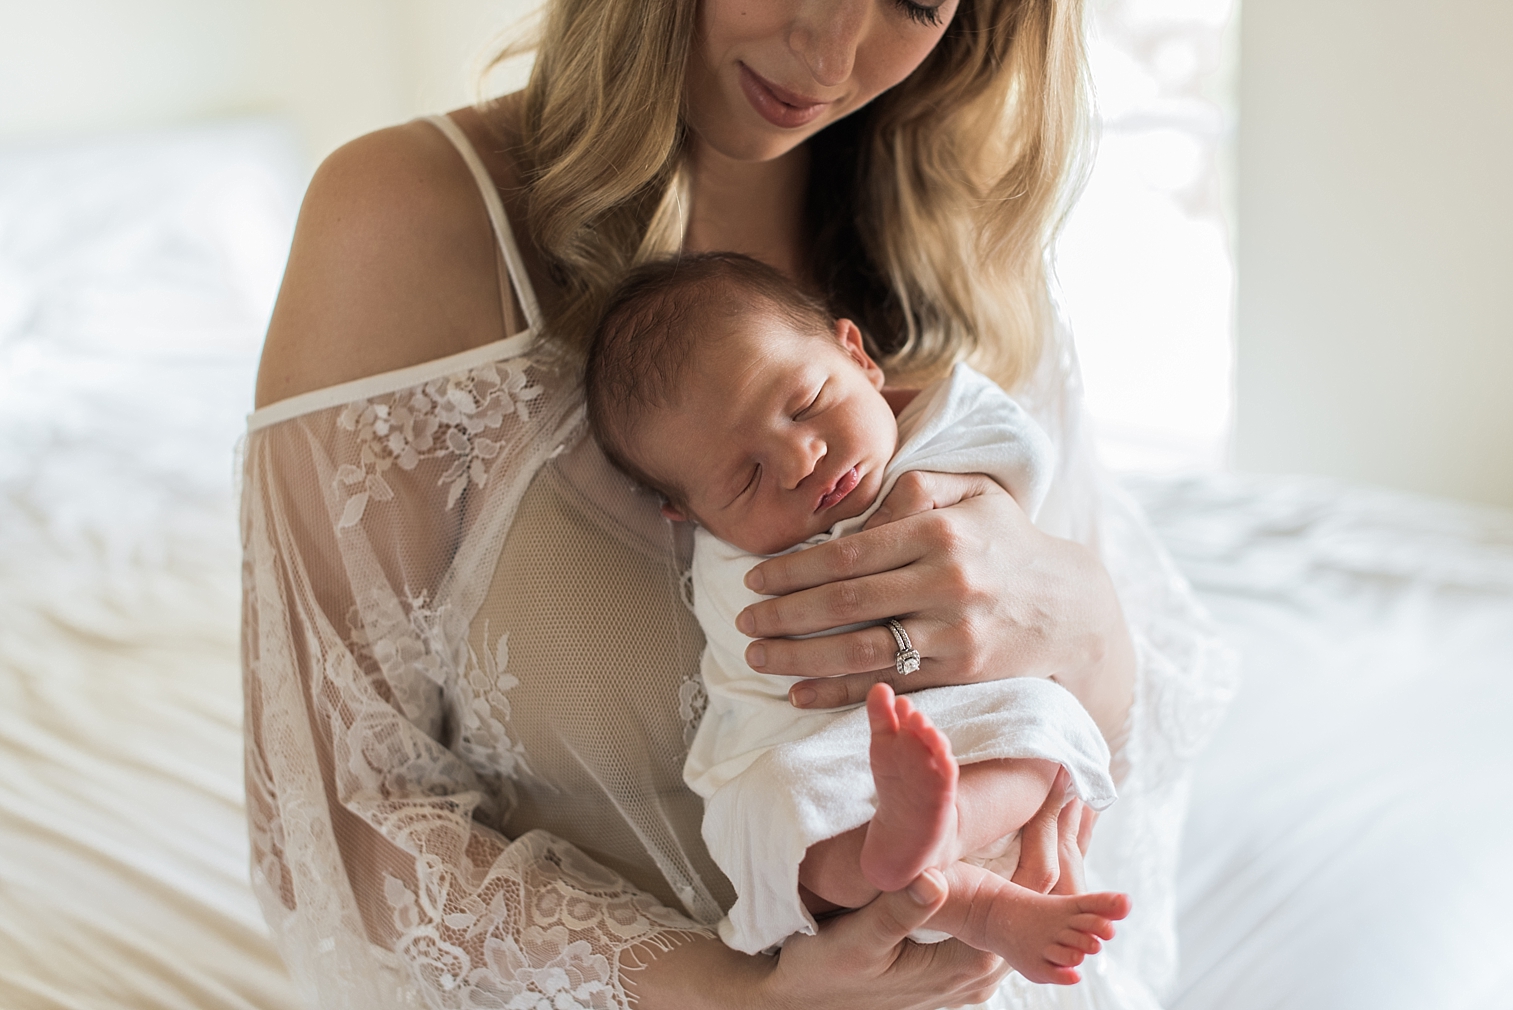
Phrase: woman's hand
pixel 982 593
pixel 1053 843
pixel 857 961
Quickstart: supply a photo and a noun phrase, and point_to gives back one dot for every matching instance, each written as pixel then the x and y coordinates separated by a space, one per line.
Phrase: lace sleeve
pixel 1185 675
pixel 378 771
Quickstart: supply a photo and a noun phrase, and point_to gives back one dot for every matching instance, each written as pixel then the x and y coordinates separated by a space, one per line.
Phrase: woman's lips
pixel 779 106
pixel 844 486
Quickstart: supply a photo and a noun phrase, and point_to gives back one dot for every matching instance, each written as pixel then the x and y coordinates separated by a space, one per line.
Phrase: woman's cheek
pixel 897 49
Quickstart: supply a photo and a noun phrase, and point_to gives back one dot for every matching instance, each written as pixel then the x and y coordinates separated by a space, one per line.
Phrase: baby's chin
pixel 776 541
pixel 764 541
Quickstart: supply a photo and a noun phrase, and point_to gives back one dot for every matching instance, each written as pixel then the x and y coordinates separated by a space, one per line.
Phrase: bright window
pixel 1144 263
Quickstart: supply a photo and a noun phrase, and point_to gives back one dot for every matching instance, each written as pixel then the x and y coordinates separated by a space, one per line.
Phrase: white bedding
pixel 1352 826
pixel 135 280
pixel 1351 836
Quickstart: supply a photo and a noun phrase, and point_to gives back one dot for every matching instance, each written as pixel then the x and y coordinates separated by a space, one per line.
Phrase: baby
pixel 761 418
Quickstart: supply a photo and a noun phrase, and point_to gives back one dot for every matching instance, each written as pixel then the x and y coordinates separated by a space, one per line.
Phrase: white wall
pixel 337 68
pixel 1376 243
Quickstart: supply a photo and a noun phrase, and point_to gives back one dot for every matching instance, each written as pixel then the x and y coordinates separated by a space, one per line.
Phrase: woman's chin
pixel 755 143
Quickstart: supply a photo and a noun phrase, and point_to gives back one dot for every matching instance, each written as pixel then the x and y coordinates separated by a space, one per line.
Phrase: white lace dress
pixel 471 680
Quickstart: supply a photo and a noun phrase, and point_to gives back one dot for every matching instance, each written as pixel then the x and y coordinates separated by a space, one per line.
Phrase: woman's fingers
pixel 866 650
pixel 865 553
pixel 1085 829
pixel 919 491
pixel 882 545
pixel 846 666
pixel 834 692
pixel 862 960
pixel 1039 866
pixel 1070 876
pixel 833 605
pixel 889 919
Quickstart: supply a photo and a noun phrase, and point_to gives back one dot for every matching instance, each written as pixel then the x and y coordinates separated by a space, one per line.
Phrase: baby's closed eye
pixel 808 407
pixel 753 478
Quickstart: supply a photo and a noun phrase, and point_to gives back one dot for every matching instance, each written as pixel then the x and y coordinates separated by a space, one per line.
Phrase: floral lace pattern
pixel 414 644
pixel 692 700
pixel 539 938
pixel 448 416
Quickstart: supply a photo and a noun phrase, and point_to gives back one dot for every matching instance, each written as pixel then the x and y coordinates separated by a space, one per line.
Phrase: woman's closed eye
pixel 924 14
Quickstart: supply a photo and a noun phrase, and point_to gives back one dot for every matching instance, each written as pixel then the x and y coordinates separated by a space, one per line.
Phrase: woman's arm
pixel 981 591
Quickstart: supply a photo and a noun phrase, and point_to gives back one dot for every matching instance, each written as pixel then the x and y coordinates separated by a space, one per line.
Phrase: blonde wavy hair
pixel 932 209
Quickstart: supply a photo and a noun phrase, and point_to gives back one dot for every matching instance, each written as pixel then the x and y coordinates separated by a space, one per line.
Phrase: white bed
pixel 1351 841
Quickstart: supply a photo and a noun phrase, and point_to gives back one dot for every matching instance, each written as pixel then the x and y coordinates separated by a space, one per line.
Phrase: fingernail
pixel 927 888
pixel 745 623
pixel 755 580
pixel 882 515
pixel 756 656
pixel 803 697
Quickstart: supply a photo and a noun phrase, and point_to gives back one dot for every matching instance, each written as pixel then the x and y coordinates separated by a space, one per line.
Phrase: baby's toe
pixel 1064 956
pixel 1094 924
pixel 1078 940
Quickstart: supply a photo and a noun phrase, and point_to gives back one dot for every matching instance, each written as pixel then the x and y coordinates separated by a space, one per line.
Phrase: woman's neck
pixel 751 207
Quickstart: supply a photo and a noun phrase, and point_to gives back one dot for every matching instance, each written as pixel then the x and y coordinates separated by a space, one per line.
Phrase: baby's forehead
pixel 760 333
pixel 730 357
pixel 728 373
pixel 720 384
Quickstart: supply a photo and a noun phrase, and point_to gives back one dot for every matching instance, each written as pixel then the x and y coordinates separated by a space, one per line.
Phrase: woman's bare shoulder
pixel 393 264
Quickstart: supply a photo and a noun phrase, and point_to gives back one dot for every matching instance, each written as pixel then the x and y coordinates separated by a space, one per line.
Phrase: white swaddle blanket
pixel 776 779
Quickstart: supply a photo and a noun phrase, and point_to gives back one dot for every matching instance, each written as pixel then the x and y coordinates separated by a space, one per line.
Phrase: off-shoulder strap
pixel 495 205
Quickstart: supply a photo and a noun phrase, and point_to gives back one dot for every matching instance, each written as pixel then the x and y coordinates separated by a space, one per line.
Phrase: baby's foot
pixel 1046 936
pixel 915 824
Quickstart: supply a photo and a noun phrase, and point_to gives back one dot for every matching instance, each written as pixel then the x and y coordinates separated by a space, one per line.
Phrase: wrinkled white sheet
pixel 1351 836
pixel 1352 826
pixel 135 281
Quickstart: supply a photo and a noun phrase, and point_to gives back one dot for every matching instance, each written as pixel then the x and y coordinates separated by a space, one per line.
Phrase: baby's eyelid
pixel 810 405
pixel 750 483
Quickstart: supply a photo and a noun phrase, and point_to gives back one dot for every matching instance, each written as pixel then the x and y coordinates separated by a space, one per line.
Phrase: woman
pixel 470 672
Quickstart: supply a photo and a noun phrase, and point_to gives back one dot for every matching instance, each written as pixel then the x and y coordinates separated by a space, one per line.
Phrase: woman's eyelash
pixel 919 12
pixel 810 405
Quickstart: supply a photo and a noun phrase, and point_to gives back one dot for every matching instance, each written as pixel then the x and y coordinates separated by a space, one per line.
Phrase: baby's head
pixel 715 381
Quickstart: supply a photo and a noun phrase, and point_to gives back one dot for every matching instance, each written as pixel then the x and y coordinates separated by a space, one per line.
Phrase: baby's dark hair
pixel 646 337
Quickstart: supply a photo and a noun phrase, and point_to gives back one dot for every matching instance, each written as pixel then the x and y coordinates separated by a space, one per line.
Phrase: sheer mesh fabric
pixel 471 680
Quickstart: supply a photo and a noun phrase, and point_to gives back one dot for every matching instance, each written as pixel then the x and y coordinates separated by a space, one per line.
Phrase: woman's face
pixel 766 75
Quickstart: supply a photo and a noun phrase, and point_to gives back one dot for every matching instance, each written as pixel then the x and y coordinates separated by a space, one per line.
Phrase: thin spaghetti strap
pixel 512 261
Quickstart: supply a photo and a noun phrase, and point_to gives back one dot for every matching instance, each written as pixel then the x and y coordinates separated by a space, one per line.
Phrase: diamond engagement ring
pixel 906 659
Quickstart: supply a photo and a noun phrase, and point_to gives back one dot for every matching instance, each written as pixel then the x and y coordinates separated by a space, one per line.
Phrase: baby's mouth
pixel 844 485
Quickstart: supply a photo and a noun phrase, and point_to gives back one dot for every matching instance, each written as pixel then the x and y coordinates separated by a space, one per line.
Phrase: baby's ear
pixel 850 337
pixel 671 511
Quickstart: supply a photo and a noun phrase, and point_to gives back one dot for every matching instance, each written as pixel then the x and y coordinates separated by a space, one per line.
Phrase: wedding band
pixel 906 659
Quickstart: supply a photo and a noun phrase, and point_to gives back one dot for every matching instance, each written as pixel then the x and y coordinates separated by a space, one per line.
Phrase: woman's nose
pixel 825 36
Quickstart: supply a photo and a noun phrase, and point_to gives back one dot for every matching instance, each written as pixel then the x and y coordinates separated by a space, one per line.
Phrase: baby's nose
pixel 806 453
